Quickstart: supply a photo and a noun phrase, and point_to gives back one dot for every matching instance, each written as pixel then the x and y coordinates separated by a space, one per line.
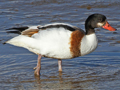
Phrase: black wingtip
pixel 4 43
pixel 17 30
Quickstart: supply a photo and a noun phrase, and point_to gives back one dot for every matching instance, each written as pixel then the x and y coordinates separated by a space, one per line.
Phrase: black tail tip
pixel 4 43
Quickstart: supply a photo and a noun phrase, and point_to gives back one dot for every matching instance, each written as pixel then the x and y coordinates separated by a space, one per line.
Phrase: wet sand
pixel 99 70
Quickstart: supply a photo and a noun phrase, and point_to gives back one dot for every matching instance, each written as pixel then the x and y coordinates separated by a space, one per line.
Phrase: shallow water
pixel 99 70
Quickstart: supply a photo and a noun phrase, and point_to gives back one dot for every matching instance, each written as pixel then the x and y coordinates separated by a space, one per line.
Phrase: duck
pixel 59 40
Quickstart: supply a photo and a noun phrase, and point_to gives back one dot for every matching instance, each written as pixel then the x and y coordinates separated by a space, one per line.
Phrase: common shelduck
pixel 59 40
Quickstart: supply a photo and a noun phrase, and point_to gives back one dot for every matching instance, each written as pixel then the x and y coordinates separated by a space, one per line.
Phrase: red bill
pixel 108 27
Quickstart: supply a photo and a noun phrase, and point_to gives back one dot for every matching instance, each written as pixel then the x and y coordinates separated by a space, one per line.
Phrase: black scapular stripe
pixel 58 26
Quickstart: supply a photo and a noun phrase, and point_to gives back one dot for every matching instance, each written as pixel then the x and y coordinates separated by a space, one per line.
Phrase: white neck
pixel 88 44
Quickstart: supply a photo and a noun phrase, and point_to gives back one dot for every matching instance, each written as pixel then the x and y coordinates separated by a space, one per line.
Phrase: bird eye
pixel 100 20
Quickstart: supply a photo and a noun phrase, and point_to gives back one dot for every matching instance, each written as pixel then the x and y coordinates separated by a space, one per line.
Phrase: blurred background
pixel 99 70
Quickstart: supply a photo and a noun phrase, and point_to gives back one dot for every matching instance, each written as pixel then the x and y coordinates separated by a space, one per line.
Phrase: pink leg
pixel 38 67
pixel 59 65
